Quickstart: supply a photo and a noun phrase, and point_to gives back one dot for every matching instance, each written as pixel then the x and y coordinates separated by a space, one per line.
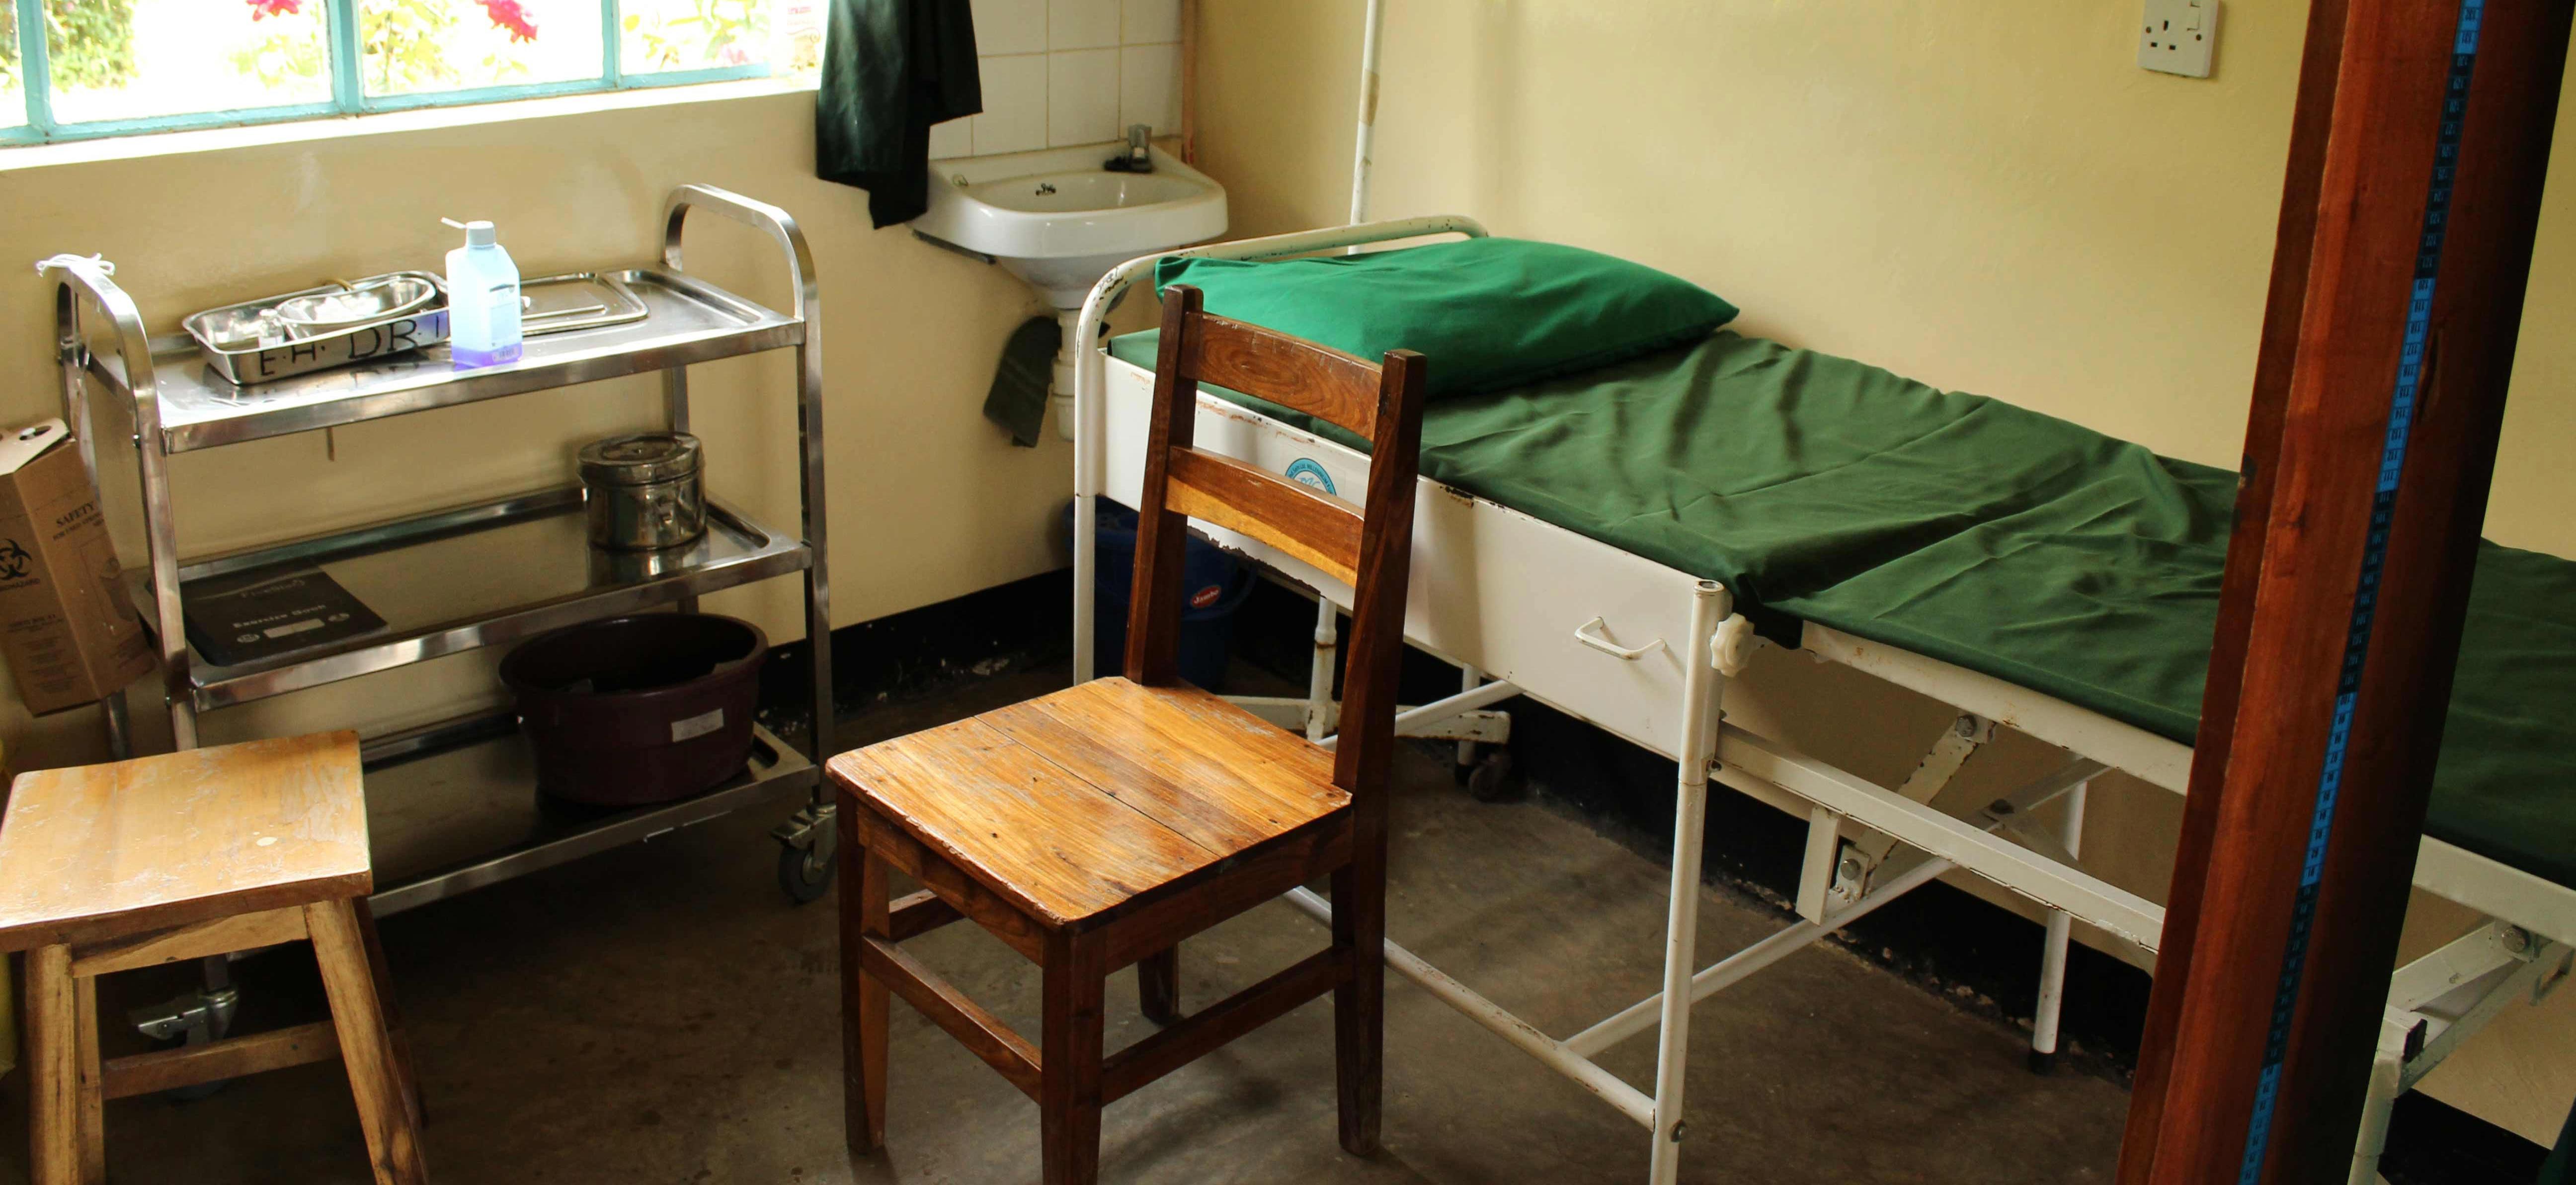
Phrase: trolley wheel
pixel 808 845
pixel 805 873
pixel 1494 779
pixel 196 1019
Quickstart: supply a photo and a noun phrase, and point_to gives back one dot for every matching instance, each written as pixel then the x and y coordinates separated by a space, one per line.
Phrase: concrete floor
pixel 659 1014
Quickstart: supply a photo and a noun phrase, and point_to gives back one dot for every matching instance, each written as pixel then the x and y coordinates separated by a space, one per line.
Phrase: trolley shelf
pixel 508 569
pixel 686 321
pixel 452 808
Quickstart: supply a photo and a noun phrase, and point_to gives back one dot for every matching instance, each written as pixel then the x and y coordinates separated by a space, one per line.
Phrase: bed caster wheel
pixel 1493 779
pixel 805 874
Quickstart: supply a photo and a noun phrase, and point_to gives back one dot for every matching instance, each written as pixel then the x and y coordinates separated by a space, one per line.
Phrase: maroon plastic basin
pixel 632 710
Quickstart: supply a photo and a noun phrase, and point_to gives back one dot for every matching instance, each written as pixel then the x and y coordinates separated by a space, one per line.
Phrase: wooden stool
pixel 160 859
pixel 1101 825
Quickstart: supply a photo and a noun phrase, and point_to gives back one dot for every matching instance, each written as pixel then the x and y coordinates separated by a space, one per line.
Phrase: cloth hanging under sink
pixel 1018 400
pixel 891 69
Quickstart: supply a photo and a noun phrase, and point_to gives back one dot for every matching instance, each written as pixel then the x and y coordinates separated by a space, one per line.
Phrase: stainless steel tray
pixel 248 365
pixel 575 301
pixel 690 322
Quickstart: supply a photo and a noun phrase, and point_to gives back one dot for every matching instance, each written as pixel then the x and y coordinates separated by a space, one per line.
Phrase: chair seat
pixel 101 851
pixel 1074 805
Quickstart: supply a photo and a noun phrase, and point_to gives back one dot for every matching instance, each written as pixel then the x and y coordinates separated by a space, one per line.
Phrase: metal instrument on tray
pixel 351 321
pixel 356 304
pixel 576 300
pixel 259 341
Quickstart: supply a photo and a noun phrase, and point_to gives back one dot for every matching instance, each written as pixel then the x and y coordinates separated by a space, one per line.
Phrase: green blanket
pixel 1981 534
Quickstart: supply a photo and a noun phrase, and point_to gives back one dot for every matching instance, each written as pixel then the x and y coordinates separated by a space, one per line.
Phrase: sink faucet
pixel 1140 151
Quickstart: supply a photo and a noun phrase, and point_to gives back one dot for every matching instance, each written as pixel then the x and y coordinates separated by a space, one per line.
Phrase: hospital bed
pixel 2031 574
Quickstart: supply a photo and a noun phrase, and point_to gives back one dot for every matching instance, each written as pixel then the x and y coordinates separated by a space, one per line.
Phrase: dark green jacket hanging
pixel 892 68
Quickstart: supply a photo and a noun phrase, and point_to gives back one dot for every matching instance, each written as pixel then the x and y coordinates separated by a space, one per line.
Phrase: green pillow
pixel 1487 313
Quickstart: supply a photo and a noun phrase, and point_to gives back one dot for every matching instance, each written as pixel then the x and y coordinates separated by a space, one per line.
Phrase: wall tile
pixel 953 138
pixel 1082 96
pixel 1150 22
pixel 1149 87
pixel 1082 24
pixel 1010 26
pixel 1015 104
pixel 1060 72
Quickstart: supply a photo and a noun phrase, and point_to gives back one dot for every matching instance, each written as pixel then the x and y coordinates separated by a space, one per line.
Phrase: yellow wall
pixel 927 500
pixel 1990 197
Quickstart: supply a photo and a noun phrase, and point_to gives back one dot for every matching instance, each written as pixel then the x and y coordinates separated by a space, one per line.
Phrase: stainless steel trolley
pixel 452 805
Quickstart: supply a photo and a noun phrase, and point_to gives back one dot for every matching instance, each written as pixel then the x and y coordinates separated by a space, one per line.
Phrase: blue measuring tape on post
pixel 2356 647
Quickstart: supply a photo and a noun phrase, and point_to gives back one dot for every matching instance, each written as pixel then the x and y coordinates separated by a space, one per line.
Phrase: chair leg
pixel 93 1097
pixel 1359 1022
pixel 1158 985
pixel 367 1049
pixel 1069 1061
pixel 863 999
pixel 382 973
pixel 53 1064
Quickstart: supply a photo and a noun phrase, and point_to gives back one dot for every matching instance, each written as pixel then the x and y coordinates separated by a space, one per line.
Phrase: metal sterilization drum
pixel 645 491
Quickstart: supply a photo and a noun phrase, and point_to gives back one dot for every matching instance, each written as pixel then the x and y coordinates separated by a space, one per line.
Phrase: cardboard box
pixel 66 629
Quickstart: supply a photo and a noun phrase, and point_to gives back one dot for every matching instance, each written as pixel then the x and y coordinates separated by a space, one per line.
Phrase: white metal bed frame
pixel 1867 845
pixel 1498 591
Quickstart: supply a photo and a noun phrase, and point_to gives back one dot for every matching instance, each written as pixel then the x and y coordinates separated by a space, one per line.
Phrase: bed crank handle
pixel 1587 634
pixel 1732 646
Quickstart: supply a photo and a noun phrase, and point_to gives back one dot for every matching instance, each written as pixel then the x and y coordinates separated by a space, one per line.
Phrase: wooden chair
pixel 133 864
pixel 1099 826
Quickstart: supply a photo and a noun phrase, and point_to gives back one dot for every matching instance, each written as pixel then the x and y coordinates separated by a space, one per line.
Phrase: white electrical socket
pixel 2180 37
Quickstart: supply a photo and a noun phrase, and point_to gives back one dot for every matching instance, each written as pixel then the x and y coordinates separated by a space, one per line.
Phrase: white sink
pixel 1060 220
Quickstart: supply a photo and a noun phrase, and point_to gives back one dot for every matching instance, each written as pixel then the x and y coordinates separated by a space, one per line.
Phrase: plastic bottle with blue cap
pixel 482 299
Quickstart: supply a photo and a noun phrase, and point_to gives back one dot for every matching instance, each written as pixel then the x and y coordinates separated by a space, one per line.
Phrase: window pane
pixel 799 39
pixel 664 35
pixel 13 97
pixel 411 47
pixel 134 59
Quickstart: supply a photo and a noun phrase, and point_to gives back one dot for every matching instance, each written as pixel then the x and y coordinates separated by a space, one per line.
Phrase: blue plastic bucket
pixel 1213 583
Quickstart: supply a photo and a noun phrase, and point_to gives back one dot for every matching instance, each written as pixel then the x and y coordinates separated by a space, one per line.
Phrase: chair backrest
pixel 1370 548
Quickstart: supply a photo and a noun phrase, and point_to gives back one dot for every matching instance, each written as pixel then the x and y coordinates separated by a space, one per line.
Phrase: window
pixel 109 67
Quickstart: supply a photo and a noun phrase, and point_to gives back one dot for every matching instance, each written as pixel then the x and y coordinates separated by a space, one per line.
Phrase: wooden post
pixel 2279 353
pixel 2426 206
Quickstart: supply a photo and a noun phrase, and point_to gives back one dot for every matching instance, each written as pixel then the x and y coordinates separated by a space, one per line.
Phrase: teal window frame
pixel 348 90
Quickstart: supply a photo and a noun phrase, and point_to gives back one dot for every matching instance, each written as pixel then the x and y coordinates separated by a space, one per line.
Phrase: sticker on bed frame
pixel 1304 469
pixel 2374 555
